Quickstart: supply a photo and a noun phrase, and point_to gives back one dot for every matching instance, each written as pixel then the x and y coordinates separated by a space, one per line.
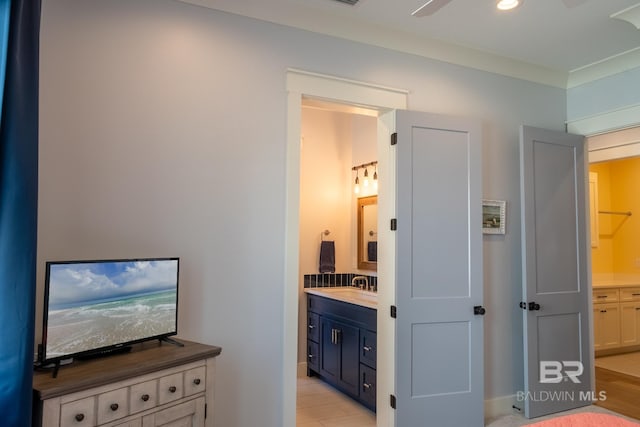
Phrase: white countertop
pixel 614 281
pixel 347 294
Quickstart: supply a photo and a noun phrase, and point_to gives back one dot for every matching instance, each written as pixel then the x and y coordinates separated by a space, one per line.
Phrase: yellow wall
pixel 602 256
pixel 618 190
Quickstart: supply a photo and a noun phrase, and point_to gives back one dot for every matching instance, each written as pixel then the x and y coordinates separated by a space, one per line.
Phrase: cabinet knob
pixel 312 327
pixel 172 389
pixel 196 381
pixel 114 407
pixel 366 348
pixel 311 356
pixel 79 417
pixel 367 386
pixel 144 397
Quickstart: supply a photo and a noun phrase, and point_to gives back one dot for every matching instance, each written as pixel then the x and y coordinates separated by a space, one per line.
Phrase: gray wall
pixel 163 129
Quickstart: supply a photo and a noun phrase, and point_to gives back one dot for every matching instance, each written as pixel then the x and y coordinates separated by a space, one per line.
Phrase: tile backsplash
pixel 333 280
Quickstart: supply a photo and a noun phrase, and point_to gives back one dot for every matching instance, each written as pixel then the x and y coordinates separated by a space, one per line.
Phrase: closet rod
pixel 627 213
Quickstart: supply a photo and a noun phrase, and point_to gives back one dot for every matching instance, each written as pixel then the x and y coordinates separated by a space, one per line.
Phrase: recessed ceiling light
pixel 508 4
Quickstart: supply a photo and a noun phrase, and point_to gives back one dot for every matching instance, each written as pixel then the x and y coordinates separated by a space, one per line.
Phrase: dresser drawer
pixel 143 396
pixel 170 388
pixel 630 294
pixel 79 413
pixel 194 380
pixel 605 295
pixel 113 405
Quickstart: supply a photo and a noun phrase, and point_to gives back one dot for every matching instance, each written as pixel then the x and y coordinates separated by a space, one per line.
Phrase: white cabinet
pixel 606 325
pixel 158 386
pixel 616 318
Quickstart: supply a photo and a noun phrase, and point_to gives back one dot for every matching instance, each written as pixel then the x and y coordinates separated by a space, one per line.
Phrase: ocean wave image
pixel 101 324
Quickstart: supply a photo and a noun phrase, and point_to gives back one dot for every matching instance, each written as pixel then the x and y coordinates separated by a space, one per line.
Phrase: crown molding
pixel 363 32
pixel 607 67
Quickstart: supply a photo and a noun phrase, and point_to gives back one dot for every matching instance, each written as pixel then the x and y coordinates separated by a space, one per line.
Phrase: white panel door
pixel 439 348
pixel 556 271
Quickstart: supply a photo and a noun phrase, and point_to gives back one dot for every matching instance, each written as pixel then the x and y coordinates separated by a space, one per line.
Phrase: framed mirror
pixel 368 233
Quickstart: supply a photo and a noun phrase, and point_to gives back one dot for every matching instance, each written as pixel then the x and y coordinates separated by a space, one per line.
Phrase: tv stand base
pixel 171 341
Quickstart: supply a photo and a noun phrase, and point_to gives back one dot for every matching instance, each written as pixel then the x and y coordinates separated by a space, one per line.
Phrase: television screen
pixel 93 306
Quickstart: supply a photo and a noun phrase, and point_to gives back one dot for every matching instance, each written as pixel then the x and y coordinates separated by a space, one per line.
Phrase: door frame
pixel 301 84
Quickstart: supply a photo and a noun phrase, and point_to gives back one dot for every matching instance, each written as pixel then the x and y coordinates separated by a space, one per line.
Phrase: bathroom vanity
pixel 341 340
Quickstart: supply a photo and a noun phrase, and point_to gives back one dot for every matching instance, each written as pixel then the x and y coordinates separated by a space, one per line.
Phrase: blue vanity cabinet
pixel 345 342
pixel 313 340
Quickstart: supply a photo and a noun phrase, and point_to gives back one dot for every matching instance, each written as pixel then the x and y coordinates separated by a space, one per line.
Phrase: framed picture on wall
pixel 494 216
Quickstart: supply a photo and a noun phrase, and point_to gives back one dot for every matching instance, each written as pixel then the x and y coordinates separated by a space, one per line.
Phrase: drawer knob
pixel 172 389
pixel 145 397
pixel 114 407
pixel 196 381
pixel 311 327
pixel 366 348
pixel 311 356
pixel 366 386
pixel 79 417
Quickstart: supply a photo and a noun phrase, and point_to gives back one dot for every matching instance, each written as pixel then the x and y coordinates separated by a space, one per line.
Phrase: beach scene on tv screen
pixel 96 305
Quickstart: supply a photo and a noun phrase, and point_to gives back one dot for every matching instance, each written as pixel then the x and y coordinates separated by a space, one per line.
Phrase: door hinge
pixel 205 411
pixel 392 401
pixel 394 224
pixel 394 311
pixel 394 138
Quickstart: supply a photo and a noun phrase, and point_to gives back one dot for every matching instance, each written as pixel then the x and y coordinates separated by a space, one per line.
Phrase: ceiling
pixel 541 36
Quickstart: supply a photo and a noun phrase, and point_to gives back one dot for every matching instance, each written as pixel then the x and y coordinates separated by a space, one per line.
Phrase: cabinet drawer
pixel 170 388
pixel 630 294
pixel 113 405
pixel 368 348
pixel 80 413
pixel 605 295
pixel 368 386
pixel 313 354
pixel 194 380
pixel 313 327
pixel 143 396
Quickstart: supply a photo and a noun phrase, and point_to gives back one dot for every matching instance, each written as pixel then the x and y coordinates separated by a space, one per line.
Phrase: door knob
pixel 534 306
pixel 479 310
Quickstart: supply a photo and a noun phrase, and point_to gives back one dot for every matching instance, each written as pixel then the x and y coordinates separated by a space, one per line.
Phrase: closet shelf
pixel 627 213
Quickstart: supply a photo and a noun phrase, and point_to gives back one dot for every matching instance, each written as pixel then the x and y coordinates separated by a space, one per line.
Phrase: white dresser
pixel 153 385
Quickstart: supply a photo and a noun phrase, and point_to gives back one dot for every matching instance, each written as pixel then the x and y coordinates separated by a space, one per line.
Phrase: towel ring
pixel 324 233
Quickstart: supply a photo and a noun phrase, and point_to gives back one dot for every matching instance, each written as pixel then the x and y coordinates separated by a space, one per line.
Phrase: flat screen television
pixel 93 307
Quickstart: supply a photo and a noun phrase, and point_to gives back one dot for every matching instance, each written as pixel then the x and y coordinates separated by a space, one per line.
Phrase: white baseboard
pixel 500 406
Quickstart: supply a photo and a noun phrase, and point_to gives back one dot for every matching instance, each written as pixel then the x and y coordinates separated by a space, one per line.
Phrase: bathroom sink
pixel 347 294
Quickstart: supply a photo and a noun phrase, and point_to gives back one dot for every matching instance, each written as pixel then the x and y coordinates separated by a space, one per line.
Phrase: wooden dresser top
pixel 144 358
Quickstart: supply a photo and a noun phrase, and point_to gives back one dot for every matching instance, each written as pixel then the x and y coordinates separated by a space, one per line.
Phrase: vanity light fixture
pixel 508 4
pixel 365 166
pixel 375 178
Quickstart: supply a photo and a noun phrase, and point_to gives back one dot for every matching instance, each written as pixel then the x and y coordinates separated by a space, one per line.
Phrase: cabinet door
pixel 606 326
pixel 187 414
pixel 349 340
pixel 630 323
pixel 330 351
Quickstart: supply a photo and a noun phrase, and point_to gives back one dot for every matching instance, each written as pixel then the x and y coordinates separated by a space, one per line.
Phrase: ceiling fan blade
pixel 573 3
pixel 430 7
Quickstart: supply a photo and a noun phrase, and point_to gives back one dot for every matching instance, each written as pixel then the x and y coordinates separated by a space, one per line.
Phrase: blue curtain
pixel 19 36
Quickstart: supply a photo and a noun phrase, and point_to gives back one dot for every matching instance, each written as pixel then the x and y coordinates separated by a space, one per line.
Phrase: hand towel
pixel 372 251
pixel 327 257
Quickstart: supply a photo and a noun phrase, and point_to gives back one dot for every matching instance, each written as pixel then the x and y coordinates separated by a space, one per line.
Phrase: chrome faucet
pixel 357 279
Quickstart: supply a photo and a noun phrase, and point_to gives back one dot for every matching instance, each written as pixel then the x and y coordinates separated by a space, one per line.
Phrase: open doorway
pixel 301 84
pixel 614 181
pixel 335 138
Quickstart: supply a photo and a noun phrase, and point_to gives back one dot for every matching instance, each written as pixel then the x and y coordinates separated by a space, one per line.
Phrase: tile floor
pixel 319 405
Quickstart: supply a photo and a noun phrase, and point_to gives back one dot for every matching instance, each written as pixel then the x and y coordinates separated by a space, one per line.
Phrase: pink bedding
pixel 586 419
